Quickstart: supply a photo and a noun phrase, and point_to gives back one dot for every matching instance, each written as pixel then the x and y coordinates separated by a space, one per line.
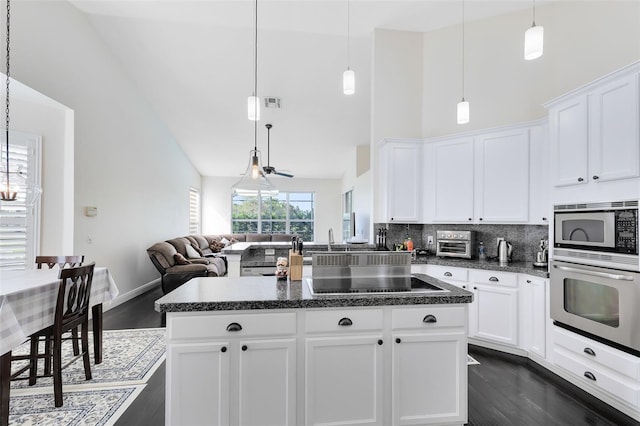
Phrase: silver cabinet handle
pixel 448 274
pixel 429 319
pixel 589 375
pixel 618 277
pixel 596 177
pixel 345 322
pixel 580 179
pixel 494 279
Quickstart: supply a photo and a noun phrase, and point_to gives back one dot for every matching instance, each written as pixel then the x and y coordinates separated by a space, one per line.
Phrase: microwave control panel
pixel 627 231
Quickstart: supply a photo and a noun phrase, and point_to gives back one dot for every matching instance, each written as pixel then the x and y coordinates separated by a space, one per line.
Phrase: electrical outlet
pixel 499 239
pixel 430 239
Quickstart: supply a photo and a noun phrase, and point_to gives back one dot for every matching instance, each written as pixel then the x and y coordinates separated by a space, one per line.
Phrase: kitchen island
pixel 258 351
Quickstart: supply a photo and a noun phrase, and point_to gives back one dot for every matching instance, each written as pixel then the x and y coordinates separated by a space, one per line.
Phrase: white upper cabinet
pixel 401 180
pixel 502 183
pixel 450 181
pixel 595 131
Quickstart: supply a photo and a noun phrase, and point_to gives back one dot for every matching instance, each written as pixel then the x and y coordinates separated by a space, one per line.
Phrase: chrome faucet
pixel 330 239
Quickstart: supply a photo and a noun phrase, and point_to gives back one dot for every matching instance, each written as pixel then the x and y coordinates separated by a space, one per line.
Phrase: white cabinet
pixel 197 384
pixel 344 367
pixel 231 369
pixel 540 205
pixel 450 181
pixel 533 313
pixel 429 375
pixel 494 311
pixel 400 189
pixel 480 178
pixel 595 131
pixel 502 177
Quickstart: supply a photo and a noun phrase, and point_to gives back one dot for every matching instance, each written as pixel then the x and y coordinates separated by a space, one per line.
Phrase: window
pixel 286 213
pixel 194 211
pixel 19 230
pixel 347 209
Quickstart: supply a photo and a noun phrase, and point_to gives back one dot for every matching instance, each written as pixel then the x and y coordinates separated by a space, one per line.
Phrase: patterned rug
pixel 130 357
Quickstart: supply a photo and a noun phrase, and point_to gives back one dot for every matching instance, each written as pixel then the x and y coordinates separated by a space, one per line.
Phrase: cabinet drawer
pixel 587 349
pixel 495 278
pixel 598 376
pixel 343 320
pixel 425 317
pixel 447 274
pixel 229 326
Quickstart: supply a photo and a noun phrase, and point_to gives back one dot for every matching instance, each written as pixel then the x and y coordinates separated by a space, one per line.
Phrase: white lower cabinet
pixel 367 366
pixel 344 380
pixel 429 386
pixel 533 314
pixel 494 311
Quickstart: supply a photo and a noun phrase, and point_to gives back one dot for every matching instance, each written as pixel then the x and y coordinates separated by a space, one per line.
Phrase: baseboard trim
pixel 122 298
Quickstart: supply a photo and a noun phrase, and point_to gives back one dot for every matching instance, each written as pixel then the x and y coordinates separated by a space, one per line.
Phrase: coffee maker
pixel 542 256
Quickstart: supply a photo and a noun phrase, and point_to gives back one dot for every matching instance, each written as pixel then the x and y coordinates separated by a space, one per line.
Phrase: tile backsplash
pixel 524 238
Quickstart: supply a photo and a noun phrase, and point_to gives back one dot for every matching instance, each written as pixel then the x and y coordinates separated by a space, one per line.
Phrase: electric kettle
pixel 505 249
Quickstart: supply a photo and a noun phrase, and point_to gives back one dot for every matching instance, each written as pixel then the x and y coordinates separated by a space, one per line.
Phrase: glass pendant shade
pixel 533 42
pixel 463 112
pixel 253 108
pixel 254 181
pixel 349 82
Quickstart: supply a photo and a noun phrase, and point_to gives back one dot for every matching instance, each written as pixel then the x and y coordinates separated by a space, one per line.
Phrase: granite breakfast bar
pixel 259 351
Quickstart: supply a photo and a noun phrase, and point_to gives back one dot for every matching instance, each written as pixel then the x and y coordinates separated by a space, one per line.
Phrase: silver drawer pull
pixel 448 274
pixel 234 326
pixel 619 277
pixel 494 279
pixel 589 375
pixel 589 351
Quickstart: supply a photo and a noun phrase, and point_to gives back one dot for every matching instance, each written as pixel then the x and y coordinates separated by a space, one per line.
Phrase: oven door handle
pixel 618 277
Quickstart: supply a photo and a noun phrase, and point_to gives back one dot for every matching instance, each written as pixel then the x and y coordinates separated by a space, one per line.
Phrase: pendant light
pixel 533 39
pixel 253 101
pixel 348 77
pixel 463 106
pixel 254 182
pixel 15 186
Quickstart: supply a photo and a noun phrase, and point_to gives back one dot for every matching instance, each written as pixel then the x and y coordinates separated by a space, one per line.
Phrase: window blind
pixel 194 211
pixel 19 233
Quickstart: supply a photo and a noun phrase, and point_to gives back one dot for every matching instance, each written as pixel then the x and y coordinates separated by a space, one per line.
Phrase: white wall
pixel 583 41
pixel 126 162
pixel 216 203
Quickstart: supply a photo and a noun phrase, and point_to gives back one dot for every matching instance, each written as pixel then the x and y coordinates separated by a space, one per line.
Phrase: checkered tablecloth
pixel 28 298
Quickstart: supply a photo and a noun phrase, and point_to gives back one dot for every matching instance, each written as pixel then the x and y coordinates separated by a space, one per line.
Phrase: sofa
pixel 180 259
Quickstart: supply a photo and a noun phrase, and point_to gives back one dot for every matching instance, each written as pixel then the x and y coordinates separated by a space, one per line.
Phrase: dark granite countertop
pixel 490 265
pixel 228 294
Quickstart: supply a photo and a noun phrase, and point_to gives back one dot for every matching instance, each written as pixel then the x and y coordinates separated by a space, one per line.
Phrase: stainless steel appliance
pixel 601 303
pixel 505 250
pixel 601 234
pixel 455 243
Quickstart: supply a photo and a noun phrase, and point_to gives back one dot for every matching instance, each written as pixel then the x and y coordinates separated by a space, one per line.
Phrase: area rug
pixel 128 357
pixel 81 406
pixel 471 360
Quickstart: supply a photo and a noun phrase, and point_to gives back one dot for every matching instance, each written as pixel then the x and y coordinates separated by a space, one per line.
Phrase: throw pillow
pixel 216 246
pixel 198 250
pixel 180 259
pixel 191 252
pixel 224 241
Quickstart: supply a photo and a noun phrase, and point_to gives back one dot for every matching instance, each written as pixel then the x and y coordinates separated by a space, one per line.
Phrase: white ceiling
pixel 193 62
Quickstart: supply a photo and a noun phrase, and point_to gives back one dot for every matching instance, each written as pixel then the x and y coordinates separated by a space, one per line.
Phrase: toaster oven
pixel 455 244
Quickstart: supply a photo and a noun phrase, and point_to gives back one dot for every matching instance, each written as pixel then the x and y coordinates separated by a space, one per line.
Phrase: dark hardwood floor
pixel 503 390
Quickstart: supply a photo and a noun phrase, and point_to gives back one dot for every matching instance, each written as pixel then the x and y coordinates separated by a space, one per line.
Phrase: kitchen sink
pixel 340 287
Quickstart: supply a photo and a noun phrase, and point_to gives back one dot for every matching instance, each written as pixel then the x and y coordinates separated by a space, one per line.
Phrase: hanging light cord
pixel 255 81
pixel 463 50
pixel 7 194
pixel 534 13
pixel 348 35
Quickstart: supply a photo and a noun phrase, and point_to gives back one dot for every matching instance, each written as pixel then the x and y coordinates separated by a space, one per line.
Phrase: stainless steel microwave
pixel 600 234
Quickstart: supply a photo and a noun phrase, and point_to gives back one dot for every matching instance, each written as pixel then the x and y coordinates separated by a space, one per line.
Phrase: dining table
pixel 27 305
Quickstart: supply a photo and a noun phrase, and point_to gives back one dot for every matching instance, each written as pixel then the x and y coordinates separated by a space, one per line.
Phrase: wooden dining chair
pixel 60 261
pixel 72 311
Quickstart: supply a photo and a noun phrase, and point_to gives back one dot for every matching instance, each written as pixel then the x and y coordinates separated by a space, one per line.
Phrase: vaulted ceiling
pixel 193 62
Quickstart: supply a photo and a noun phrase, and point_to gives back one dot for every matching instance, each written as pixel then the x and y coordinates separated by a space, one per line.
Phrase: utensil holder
pixel 295 266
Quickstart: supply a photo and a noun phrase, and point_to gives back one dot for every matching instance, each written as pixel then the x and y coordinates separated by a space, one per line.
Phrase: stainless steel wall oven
pixel 601 303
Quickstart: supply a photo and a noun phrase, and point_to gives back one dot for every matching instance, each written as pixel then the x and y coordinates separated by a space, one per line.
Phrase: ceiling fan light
pixel 463 112
pixel 349 82
pixel 253 108
pixel 533 42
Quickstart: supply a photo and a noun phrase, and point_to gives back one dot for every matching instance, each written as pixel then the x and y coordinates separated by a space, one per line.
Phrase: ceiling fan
pixel 268 169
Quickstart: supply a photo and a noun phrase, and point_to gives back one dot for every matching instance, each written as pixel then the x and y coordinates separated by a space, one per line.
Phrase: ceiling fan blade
pixel 283 174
